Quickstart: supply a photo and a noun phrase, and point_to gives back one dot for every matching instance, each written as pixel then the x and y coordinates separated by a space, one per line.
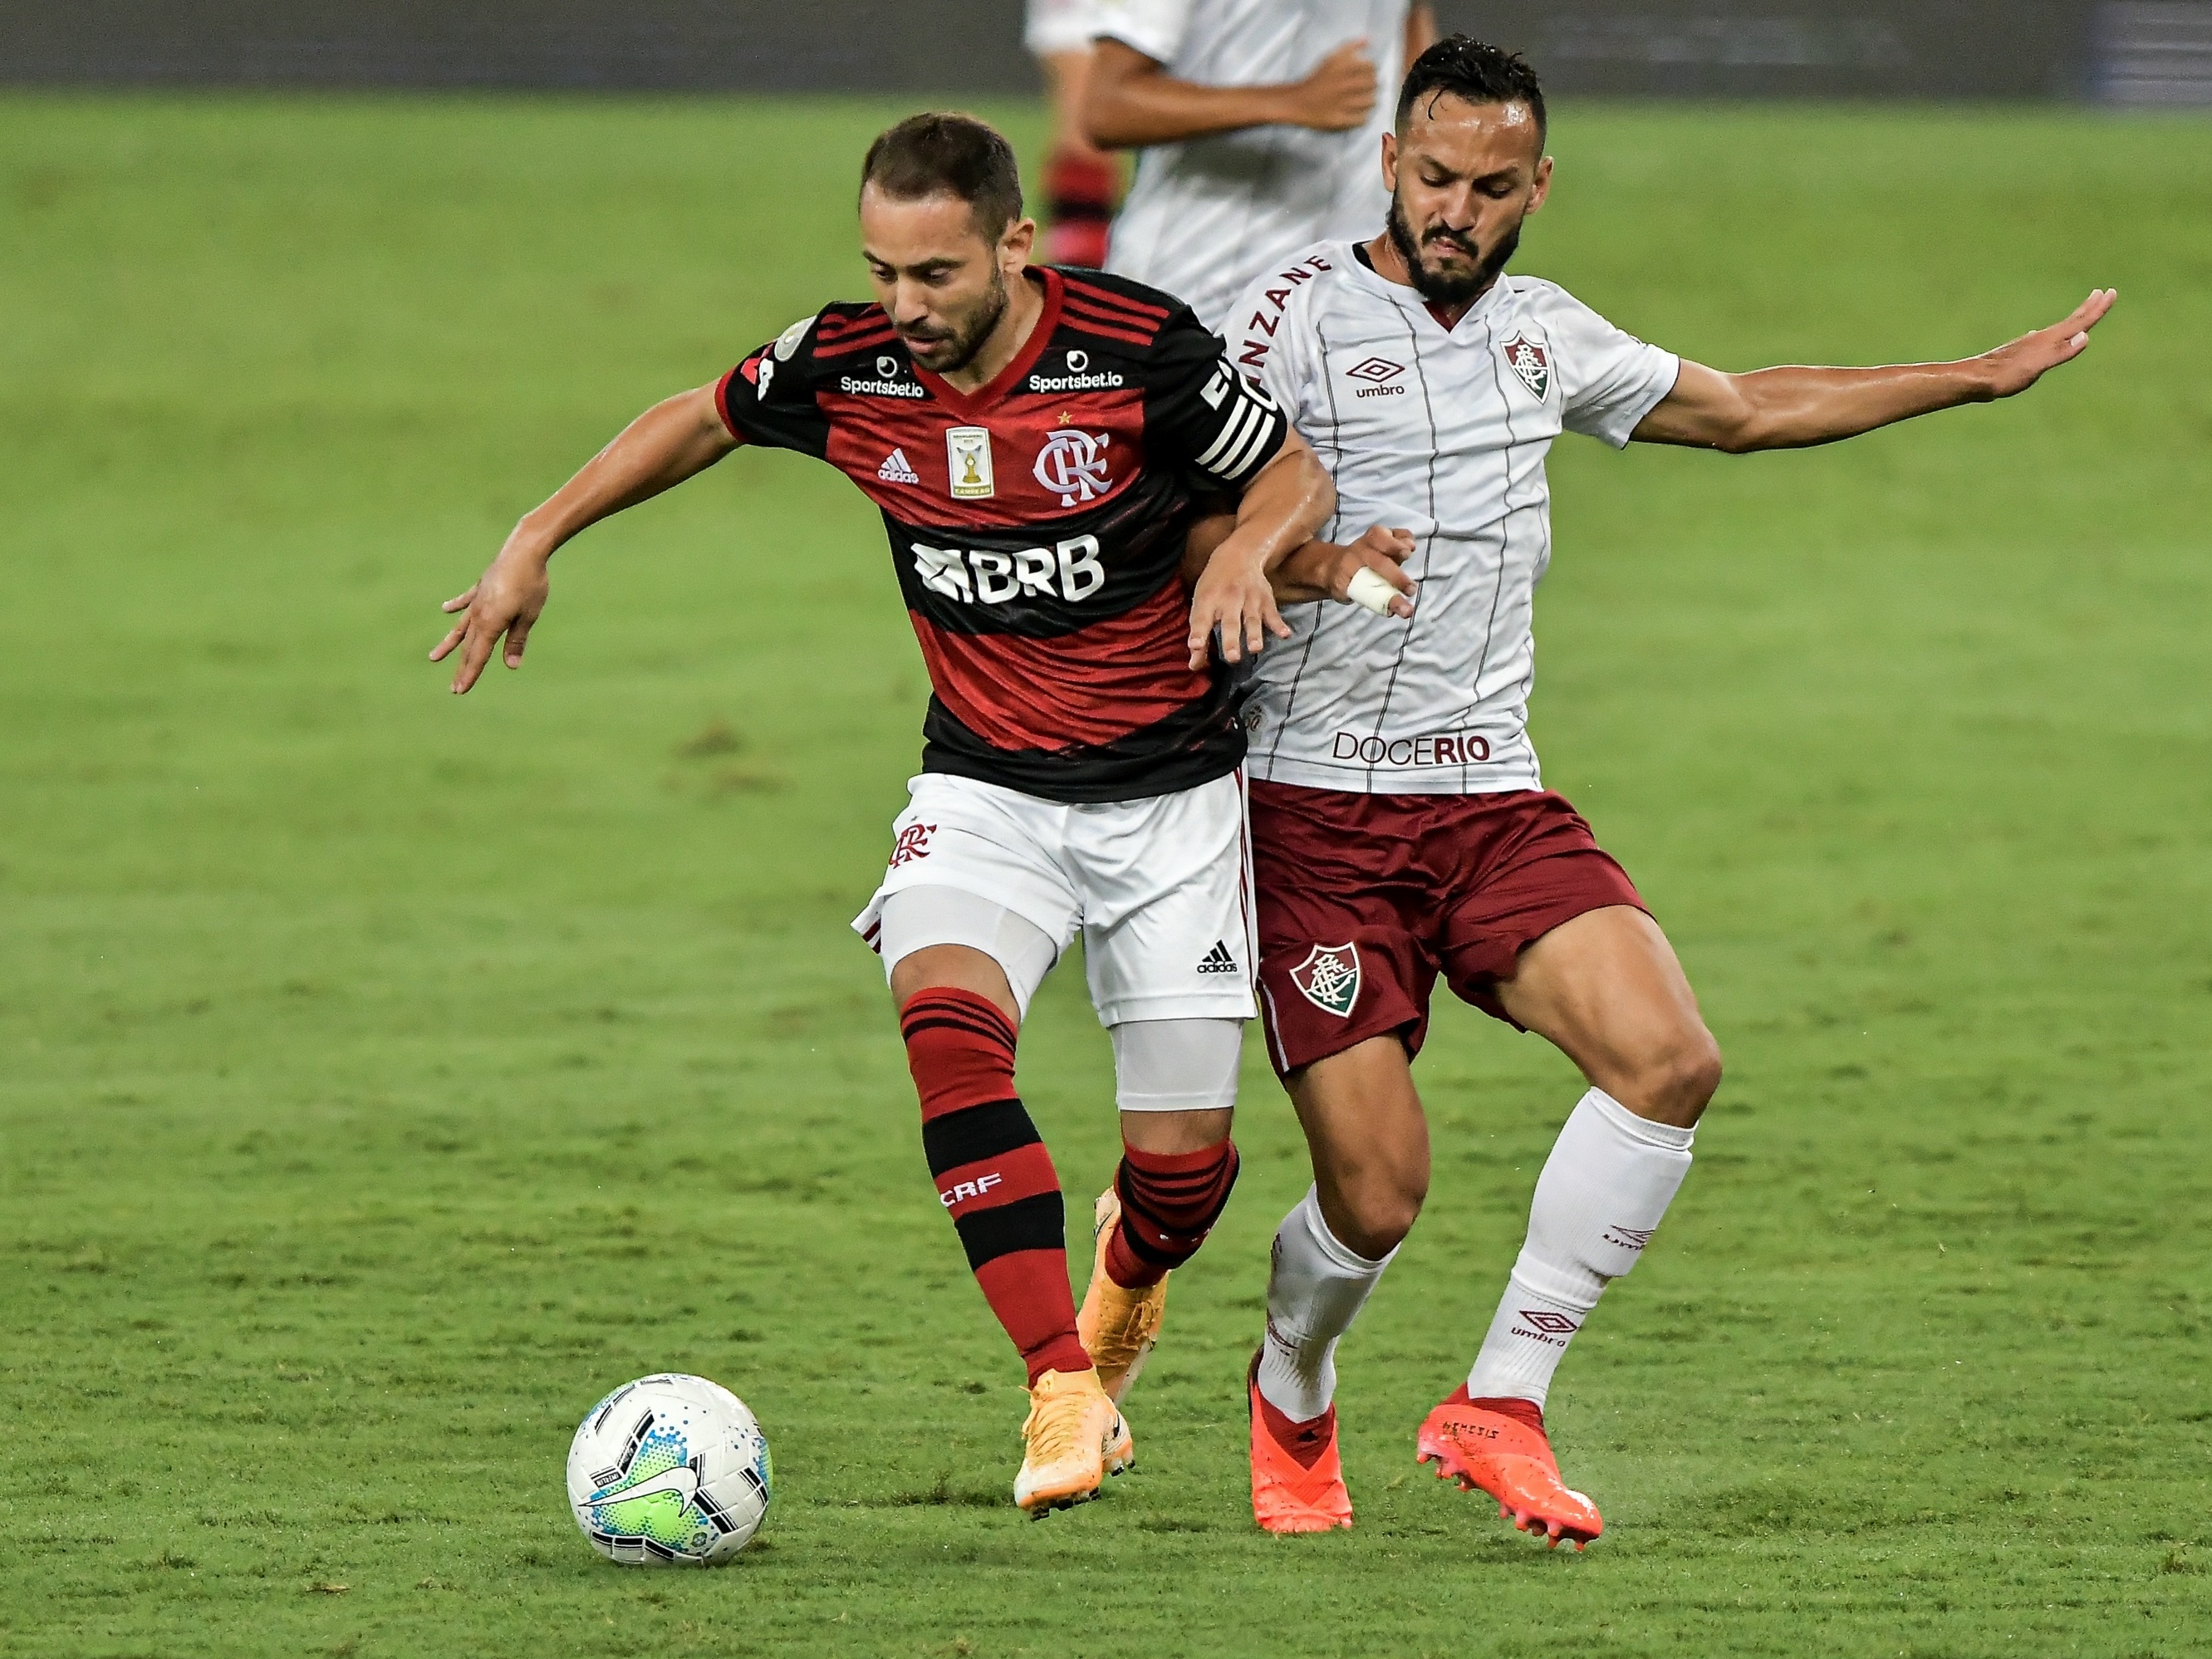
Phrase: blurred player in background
pixel 1262 125
pixel 1259 121
pixel 1399 823
pixel 1082 182
pixel 1032 439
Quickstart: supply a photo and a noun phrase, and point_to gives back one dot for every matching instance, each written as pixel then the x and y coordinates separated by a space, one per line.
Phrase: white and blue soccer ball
pixel 669 1471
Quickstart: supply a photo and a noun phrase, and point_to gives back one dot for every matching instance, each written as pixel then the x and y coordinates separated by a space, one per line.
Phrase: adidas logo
pixel 1219 961
pixel 896 469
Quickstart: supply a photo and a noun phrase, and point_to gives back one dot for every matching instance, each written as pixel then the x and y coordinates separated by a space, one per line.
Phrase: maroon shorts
pixel 1364 898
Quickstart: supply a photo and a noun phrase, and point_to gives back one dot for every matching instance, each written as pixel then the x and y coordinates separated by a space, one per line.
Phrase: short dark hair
pixel 945 155
pixel 1476 72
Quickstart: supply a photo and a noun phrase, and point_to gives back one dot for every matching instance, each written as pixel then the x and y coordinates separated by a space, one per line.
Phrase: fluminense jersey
pixel 1206 217
pixel 1442 433
pixel 1037 526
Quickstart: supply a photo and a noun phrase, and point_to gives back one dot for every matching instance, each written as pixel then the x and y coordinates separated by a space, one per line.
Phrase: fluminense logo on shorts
pixel 1329 978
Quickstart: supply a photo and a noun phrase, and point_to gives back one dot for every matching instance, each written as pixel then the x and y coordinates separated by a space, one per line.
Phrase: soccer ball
pixel 669 1471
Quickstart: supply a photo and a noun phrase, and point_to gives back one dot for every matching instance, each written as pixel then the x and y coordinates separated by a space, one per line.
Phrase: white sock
pixel 1316 1285
pixel 1609 1181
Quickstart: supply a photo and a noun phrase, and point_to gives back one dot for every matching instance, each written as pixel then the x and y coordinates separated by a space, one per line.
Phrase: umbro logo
pixel 896 469
pixel 1552 1324
pixel 1219 961
pixel 1378 373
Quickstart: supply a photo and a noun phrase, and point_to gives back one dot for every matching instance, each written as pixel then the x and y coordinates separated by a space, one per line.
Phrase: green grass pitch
pixel 388 1075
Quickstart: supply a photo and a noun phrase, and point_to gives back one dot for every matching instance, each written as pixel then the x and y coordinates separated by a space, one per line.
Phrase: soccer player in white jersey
pixel 1259 121
pixel 1400 825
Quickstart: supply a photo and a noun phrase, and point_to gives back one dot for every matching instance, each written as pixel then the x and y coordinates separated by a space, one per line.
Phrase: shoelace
pixel 1054 1431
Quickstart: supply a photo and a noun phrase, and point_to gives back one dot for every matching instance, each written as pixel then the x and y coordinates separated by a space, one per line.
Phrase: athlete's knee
pixel 1372 1207
pixel 1674 1080
pixel 1169 1202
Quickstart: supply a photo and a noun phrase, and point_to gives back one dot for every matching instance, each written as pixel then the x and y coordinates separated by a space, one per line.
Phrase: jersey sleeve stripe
pixel 1127 318
pixel 1076 287
pixel 1233 432
pixel 1263 429
pixel 846 348
pixel 1105 332
pixel 832 324
pixel 722 401
pixel 1107 322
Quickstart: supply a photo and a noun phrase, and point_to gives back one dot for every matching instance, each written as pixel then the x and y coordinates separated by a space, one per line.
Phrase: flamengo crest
pixel 1527 359
pixel 1072 464
pixel 1329 978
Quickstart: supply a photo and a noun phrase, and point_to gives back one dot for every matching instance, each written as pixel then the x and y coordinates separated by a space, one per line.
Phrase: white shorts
pixel 1058 26
pixel 1160 888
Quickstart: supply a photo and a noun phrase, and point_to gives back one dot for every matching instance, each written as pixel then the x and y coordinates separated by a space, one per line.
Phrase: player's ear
pixel 1390 162
pixel 1017 245
pixel 1541 191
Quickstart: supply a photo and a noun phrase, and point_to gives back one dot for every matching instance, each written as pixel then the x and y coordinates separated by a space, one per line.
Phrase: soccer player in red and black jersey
pixel 1037 441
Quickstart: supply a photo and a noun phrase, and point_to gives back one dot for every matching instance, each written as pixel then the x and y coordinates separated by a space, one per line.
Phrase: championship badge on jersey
pixel 1329 978
pixel 968 462
pixel 1527 359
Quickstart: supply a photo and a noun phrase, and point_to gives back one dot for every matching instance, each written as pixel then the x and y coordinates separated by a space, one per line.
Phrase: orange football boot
pixel 1288 1495
pixel 1072 1439
pixel 1117 1326
pixel 1510 1458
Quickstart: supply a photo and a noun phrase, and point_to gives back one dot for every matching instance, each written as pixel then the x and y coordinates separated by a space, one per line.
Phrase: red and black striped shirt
pixel 1037 526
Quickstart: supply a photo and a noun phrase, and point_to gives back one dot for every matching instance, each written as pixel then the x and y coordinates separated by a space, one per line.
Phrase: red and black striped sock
pixel 1169 1202
pixel 993 1172
pixel 1080 191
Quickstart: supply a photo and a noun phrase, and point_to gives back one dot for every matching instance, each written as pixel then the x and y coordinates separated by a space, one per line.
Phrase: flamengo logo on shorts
pixel 913 843
pixel 1440 749
pixel 1329 978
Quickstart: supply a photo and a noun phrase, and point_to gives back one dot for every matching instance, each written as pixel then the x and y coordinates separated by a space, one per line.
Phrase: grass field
pixel 387 1075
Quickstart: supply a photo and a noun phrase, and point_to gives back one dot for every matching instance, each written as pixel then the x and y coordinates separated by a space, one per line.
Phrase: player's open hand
pixel 2020 364
pixel 1236 597
pixel 1384 551
pixel 1339 95
pixel 505 600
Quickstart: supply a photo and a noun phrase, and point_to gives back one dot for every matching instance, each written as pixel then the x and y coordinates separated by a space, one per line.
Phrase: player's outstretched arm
pixel 1794 408
pixel 1286 502
pixel 667 444
pixel 1132 101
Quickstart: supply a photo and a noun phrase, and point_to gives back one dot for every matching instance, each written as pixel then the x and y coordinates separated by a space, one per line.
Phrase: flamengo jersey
pixel 1037 526
pixel 1206 217
pixel 1442 433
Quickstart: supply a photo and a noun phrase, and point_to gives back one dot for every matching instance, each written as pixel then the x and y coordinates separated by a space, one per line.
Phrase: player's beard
pixel 964 338
pixel 1452 288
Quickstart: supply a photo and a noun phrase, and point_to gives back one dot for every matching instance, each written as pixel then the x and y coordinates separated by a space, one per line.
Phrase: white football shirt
pixel 1206 217
pixel 1442 433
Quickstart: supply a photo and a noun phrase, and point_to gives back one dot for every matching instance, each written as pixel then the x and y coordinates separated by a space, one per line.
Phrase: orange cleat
pixel 1508 1455
pixel 1117 1326
pixel 1073 1440
pixel 1293 1490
